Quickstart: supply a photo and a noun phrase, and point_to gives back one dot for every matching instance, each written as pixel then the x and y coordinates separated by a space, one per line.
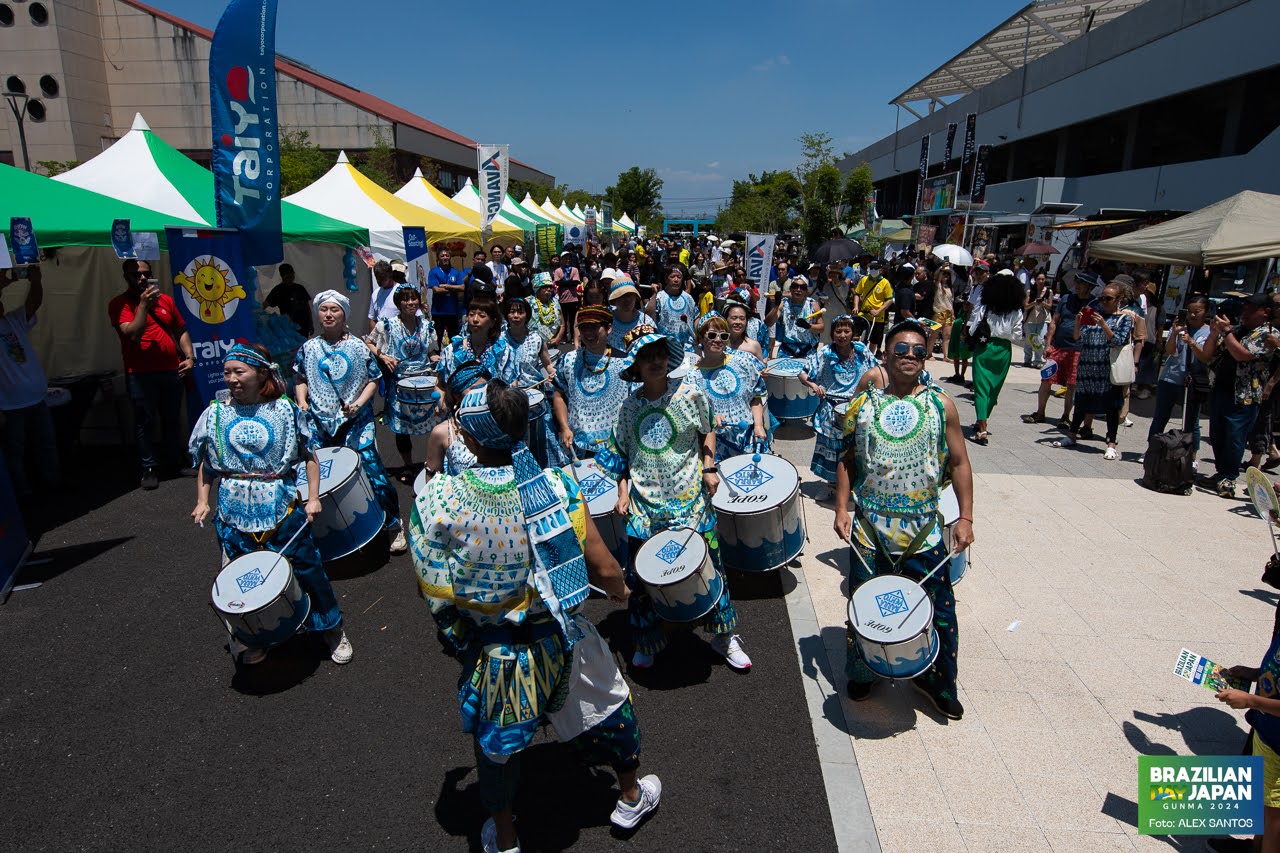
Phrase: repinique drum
pixel 260 600
pixel 418 398
pixel 758 512
pixel 420 482
pixel 351 517
pixel 675 567
pixel 892 620
pixel 789 399
pixel 600 491
pixel 950 509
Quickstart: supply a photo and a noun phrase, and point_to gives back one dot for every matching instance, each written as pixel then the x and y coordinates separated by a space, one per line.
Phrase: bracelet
pixel 711 470
pixel 964 518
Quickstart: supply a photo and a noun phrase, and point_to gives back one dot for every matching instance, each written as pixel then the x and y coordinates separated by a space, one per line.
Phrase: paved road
pixel 123 724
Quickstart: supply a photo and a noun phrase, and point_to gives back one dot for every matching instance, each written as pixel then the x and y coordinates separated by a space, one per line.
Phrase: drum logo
pixel 594 486
pixel 749 478
pixel 250 580
pixel 892 602
pixel 236 605
pixel 670 552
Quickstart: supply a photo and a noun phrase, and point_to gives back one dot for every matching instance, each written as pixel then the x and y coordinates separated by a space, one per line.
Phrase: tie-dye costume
pixel 619 328
pixel 675 317
pixel 593 394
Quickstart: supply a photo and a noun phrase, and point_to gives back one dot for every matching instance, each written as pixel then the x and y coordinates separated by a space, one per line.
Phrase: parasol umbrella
pixel 953 254
pixel 1036 249
pixel 726 244
pixel 835 249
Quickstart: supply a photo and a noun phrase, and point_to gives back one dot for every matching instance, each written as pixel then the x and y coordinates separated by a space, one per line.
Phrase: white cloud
pixel 689 176
pixel 771 62
pixel 714 164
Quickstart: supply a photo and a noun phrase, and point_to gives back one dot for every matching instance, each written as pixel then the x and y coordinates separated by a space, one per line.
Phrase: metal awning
pixel 1090 223
pixel 1039 28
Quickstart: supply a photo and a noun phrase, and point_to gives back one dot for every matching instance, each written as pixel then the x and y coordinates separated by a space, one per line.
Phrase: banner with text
pixel 242 101
pixel 606 217
pixel 590 217
pixel 493 167
pixel 415 255
pixel 979 195
pixel 967 153
pixel 921 174
pixel 209 271
pixel 759 254
pixel 951 142
pixel 550 241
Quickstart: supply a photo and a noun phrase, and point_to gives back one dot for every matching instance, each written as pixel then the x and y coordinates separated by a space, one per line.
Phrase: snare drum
pixel 892 620
pixel 420 482
pixel 950 509
pixel 600 491
pixel 350 517
pixel 758 513
pixel 675 567
pixel 417 403
pixel 789 398
pixel 260 600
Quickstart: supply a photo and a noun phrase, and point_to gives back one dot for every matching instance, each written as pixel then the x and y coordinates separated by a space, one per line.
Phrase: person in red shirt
pixel 158 357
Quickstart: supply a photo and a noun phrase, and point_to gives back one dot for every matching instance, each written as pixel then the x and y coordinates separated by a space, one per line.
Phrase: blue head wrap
pixel 247 354
pixel 465 375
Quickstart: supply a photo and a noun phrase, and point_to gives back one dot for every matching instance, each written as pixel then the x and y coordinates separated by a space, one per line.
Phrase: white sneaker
pixel 641 661
pixel 489 838
pixel 826 494
pixel 340 650
pixel 400 544
pixel 626 815
pixel 1128 422
pixel 249 657
pixel 1111 455
pixel 730 646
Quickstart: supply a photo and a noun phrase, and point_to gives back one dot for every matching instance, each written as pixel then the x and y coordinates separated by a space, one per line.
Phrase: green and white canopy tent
pixel 469 197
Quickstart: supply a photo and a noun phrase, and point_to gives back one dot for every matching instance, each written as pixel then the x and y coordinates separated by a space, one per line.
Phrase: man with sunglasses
pixel 905 444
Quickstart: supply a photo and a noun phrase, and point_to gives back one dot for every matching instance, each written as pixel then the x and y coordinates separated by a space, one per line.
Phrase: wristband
pixel 964 518
pixel 711 470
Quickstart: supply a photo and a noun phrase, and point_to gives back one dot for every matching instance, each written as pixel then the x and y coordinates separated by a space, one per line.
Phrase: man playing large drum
pixel 907 442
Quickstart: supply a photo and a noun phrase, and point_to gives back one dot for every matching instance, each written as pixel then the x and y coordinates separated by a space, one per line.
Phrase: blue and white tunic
pixel 840 378
pixel 337 374
pixel 618 330
pixel 676 317
pixel 457 456
pixel 730 388
pixel 593 393
pixel 759 332
pixel 253 450
pixel 497 358
pixel 527 355
pixel 793 339
pixel 412 351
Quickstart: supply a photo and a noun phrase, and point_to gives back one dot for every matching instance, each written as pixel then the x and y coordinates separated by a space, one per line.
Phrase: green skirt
pixel 958 349
pixel 990 367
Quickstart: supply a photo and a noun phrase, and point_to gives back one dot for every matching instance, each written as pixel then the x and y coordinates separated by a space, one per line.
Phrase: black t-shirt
pixel 904 300
pixel 294 302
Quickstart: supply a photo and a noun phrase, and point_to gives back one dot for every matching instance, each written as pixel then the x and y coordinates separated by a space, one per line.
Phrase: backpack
pixel 1168 466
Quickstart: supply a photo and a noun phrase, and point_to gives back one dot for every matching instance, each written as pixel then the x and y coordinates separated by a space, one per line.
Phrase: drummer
pixel 906 442
pixel 547 319
pixel 533 361
pixel 508 612
pixel 482 341
pixel 447 453
pixel 833 373
pixel 250 438
pixel 674 310
pixel 740 320
pixel 733 382
pixel 624 301
pixel 589 388
pixel 666 477
pixel 797 321
pixel 336 380
pixel 406 345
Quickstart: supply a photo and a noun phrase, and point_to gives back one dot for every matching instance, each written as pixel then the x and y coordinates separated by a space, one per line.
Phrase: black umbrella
pixel 836 249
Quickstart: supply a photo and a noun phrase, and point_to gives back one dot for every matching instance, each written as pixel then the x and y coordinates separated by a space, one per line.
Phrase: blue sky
pixel 702 92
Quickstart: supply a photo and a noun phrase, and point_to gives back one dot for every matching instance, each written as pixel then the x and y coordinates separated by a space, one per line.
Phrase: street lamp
pixel 20 114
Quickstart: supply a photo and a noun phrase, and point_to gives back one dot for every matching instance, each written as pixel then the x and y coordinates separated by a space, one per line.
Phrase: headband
pixel 479 423
pixel 247 354
pixel 594 314
pixel 841 318
pixel 404 285
pixel 707 318
pixel 335 297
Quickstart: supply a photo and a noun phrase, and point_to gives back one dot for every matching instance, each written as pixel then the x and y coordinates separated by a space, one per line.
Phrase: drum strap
pixel 262 537
pixel 869 531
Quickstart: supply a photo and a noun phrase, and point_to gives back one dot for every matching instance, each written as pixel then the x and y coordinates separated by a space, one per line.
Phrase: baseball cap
pixel 981 265
pixel 1258 300
pixel 517 248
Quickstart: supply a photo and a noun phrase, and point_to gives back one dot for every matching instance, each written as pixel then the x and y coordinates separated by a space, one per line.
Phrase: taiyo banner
pixel 759 254
pixel 209 274
pixel 606 217
pixel 946 150
pixel 242 101
pixel 493 164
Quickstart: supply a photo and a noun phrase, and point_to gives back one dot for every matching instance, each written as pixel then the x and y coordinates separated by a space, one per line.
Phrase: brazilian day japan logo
pixel 1199 795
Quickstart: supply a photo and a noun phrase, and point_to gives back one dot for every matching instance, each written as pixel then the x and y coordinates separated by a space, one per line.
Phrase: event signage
pixel 242 102
pixel 549 241
pixel 980 174
pixel 921 174
pixel 606 217
pixel 1200 795
pixel 122 239
pixel 951 141
pixel 967 152
pixel 590 217
pixel 415 250
pixel 492 167
pixel 939 194
pixel 22 238
pixel 759 255
pixel 209 268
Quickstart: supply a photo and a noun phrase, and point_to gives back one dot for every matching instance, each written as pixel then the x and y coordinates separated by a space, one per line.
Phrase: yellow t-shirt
pixel 684 257
pixel 706 302
pixel 873 295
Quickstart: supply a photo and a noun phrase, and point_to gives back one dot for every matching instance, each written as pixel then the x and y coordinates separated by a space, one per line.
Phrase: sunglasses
pixel 1108 298
pixel 716 336
pixel 902 349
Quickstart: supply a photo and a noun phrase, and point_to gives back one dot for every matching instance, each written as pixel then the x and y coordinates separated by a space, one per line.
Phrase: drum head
pixel 248 583
pixel 667 557
pixel 420 482
pixel 786 366
pixel 536 397
pixel 879 605
pixel 336 465
pixel 948 506
pixel 425 382
pixel 598 489
pixel 1262 493
pixel 750 486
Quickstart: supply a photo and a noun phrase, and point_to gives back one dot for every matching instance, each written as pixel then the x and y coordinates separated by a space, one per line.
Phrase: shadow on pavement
pixel 65 559
pixel 287 666
pixel 1266 596
pixel 751 586
pixel 366 561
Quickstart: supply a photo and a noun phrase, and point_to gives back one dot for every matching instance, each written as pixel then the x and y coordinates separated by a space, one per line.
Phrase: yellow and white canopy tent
pixel 624 223
pixel 570 215
pixel 549 209
pixel 419 191
pixel 532 210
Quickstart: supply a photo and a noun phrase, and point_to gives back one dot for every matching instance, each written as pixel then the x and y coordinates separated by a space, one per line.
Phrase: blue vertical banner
pixel 242 102
pixel 415 255
pixel 209 278
pixel 606 217
pixel 22 239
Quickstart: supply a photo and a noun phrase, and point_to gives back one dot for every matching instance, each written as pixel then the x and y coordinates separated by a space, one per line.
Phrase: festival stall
pixel 571 217
pixel 421 192
pixel 469 198
pixel 533 211
pixel 1244 227
pixel 549 209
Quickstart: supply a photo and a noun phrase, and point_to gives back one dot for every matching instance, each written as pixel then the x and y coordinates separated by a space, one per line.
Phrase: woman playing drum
pixel 734 385
pixel 482 342
pixel 832 373
pixel 447 453
pixel 336 380
pixel 250 438
pixel 404 345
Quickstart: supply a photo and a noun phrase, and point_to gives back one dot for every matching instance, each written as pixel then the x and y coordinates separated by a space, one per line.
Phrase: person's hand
pixel 348 410
pixel 1237 699
pixel 819 390
pixel 1271 341
pixel 760 432
pixel 184 367
pixel 1079 319
pixel 200 513
pixel 305 405
pixel 313 508
pixel 719 421
pixel 624 503
pixel 843 525
pixel 390 362
pixel 566 439
pixel 961 535
pixel 1098 319
pixel 150 296
pixel 711 480
pixel 618 591
pixel 1244 673
pixel 1221 325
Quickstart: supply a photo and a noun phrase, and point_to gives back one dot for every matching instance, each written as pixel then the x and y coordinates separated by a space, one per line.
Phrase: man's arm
pixel 961 477
pixel 35 295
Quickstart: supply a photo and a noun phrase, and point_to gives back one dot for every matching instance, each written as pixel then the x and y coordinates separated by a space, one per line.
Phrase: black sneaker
pixel 949 708
pixel 859 690
pixel 150 479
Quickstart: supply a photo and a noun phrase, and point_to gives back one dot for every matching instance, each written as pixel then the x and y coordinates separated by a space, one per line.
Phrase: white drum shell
pixel 877 610
pixel 260 599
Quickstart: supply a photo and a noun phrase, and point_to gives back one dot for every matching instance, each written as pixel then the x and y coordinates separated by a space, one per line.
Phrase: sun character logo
pixel 210 289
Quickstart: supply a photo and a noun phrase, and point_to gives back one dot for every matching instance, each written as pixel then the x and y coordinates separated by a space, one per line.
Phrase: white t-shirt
pixel 500 273
pixel 22 379
pixel 381 304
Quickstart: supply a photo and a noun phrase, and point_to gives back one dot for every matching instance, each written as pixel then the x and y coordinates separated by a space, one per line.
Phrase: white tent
pixel 1244 227
pixel 469 197
pixel 550 210
pixel 419 192
pixel 570 215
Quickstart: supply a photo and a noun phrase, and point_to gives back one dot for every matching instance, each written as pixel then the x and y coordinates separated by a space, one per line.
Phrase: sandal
pixel 407 474
pixel 1087 434
pixel 1065 442
pixel 1033 419
pixel 1065 423
pixel 980 437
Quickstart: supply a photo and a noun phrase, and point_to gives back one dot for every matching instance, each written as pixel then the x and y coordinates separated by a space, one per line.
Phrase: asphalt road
pixel 125 725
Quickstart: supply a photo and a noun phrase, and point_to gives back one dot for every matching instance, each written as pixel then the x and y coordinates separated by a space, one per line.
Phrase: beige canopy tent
pixel 1244 227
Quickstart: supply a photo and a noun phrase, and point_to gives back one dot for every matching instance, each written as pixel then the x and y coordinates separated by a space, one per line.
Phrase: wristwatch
pixel 711 470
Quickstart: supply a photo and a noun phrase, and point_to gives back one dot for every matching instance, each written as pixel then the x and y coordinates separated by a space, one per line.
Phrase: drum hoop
pixel 794 492
pixel 696 571
pixel 292 581
pixel 354 471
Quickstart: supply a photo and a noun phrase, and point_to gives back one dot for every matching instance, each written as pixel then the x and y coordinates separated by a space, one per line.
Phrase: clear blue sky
pixel 721 91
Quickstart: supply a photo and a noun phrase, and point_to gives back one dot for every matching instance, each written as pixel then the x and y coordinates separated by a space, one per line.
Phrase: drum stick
pixel 945 559
pixel 280 553
pixel 542 381
pixel 595 588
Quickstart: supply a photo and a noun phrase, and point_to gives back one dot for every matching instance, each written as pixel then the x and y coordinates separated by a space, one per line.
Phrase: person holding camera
pixel 1100 327
pixel 1185 372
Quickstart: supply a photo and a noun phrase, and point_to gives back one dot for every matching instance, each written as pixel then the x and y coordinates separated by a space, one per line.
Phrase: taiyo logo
pixel 251 138
pixel 755 262
pixel 491 173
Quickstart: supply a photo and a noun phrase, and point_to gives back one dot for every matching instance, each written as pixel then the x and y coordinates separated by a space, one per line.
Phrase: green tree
pixel 637 192
pixel 378 164
pixel 301 162
pixel 858 187
pixel 765 204
pixel 819 216
pixel 815 152
pixel 518 188
pixel 57 167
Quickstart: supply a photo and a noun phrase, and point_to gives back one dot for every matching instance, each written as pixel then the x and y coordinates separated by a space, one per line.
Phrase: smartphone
pixel 1182 317
pixel 1086 316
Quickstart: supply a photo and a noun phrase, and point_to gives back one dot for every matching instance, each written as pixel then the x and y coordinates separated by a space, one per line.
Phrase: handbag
pixel 1123 371
pixel 981 333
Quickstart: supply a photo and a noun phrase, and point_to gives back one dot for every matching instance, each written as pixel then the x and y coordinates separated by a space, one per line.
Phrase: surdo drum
pixel 600 491
pixel 758 512
pixel 676 569
pixel 350 517
pixel 789 398
pixel 949 507
pixel 892 621
pixel 259 599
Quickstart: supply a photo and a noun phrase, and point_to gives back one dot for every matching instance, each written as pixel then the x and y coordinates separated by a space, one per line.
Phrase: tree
pixel 378 164
pixel 637 192
pixel 820 207
pixel 816 151
pixel 518 189
pixel 57 167
pixel 301 163
pixel 764 204
pixel 858 187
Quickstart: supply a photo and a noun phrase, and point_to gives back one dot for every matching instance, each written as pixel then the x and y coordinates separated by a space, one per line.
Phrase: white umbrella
pixel 713 238
pixel 953 254
pixel 724 244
